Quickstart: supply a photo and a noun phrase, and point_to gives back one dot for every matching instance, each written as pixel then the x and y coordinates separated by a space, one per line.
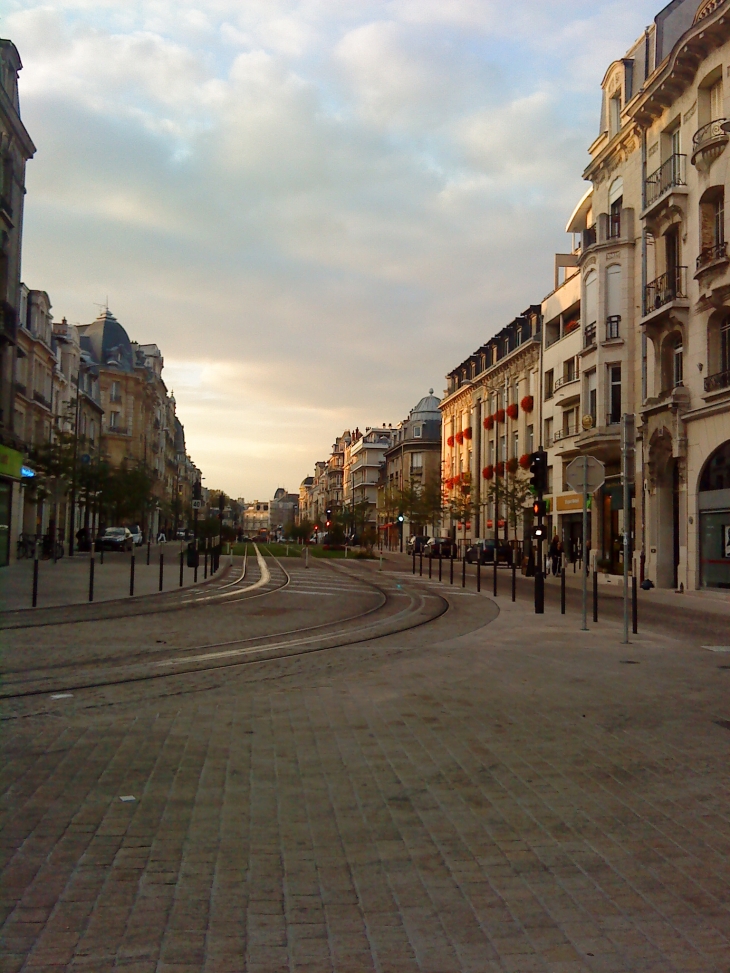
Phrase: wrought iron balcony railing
pixel 41 399
pixel 718 381
pixel 613 327
pixel 669 287
pixel 671 173
pixel 589 236
pixel 565 380
pixel 565 433
pixel 712 130
pixel 709 254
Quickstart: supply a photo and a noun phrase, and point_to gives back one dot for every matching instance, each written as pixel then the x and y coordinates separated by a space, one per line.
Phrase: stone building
pixel 16 148
pixel 655 279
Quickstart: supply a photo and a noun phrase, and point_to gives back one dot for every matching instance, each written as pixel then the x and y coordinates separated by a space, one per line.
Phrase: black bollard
pixel 195 570
pixel 430 563
pixel 101 552
pixel 514 581
pixel 182 564
pixel 495 572
pixel 634 606
pixel 440 563
pixel 420 564
pixel 595 596
pixel 205 564
pixel 131 576
pixel 162 568
pixel 35 576
pixel 463 572
pixel 562 591
pixel 149 543
pixel 451 570
pixel 91 576
pixel 479 572
pixel 414 561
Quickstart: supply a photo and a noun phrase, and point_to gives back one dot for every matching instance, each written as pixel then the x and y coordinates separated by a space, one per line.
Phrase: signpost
pixel 585 475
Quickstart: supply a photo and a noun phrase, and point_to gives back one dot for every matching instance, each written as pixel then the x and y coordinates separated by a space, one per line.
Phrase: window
pixel 591 395
pixel 549 381
pixel 614 394
pixel 614 115
pixel 716 101
pixel 530 439
pixel 416 432
pixel 491 452
pixel 549 479
pixel 114 420
pixel 591 307
pixel 615 202
pixel 613 301
pixel 417 461
pixel 516 444
pixel 502 448
pixel 570 370
pixel 677 362
pixel 725 346
pixel 115 394
pixel 548 432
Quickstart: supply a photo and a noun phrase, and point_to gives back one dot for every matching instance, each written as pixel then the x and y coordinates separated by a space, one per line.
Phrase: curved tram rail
pixel 388 618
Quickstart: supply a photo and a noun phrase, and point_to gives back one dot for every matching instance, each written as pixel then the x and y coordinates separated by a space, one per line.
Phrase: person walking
pixel 556 550
pixel 161 539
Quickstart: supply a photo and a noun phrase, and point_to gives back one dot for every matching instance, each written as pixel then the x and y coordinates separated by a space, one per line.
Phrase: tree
pixel 460 507
pixel 511 493
pixel 432 503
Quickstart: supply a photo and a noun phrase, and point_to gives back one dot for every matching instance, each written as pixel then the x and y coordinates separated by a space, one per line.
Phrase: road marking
pixel 717 648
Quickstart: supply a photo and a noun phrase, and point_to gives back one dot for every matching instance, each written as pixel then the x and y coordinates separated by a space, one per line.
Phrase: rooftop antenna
pixel 104 306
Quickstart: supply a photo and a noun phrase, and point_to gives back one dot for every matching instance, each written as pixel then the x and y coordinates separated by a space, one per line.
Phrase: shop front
pixel 714 520
pixel 611 512
pixel 569 507
pixel 11 466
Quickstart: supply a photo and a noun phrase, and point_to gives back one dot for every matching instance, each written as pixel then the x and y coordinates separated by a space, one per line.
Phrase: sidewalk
pixel 67 581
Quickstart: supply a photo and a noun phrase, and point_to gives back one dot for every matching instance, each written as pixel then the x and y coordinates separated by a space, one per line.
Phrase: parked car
pixel 440 545
pixel 483 551
pixel 115 539
pixel 137 536
pixel 417 544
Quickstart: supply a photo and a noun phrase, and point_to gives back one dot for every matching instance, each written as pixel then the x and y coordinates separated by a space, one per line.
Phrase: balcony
pixel 613 327
pixel 589 335
pixel 590 237
pixel 669 287
pixel 562 434
pixel 118 431
pixel 40 398
pixel 670 175
pixel 711 257
pixel 718 381
pixel 20 387
pixel 708 143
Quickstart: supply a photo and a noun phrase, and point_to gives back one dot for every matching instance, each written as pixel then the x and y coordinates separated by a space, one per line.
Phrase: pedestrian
pixel 161 539
pixel 555 553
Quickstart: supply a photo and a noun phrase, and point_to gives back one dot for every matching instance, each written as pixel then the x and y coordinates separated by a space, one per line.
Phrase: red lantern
pixel 460 438
pixel 489 422
pixel 499 469
pixel 525 461
pixel 467 432
pixel 488 472
pixel 527 403
pixel 512 410
pixel 499 415
pixel 450 441
pixel 512 465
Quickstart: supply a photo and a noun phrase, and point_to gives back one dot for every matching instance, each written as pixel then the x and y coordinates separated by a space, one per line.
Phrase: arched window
pixel 590 304
pixel 613 301
pixel 678 362
pixel 714 509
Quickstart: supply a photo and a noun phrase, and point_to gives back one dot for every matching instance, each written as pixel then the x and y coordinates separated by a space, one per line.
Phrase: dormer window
pixel 416 432
pixel 614 114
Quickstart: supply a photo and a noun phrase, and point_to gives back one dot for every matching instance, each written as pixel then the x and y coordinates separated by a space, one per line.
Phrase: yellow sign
pixel 11 462
pixel 569 502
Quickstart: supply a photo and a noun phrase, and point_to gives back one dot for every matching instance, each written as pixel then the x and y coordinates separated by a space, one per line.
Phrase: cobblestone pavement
pixel 478 794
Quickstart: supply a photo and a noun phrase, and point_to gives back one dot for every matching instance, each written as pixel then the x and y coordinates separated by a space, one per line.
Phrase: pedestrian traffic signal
pixel 538 468
pixel 401 518
pixel 539 508
pixel 539 532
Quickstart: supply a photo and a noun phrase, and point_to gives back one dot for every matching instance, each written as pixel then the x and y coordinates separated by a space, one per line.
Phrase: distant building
pixel 283 511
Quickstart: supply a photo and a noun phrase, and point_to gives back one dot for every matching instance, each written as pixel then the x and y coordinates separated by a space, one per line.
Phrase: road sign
pixel 585 471
pixel 197 504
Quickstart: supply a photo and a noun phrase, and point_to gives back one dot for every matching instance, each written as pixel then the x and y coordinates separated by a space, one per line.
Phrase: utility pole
pixel 627 455
pixel 75 460
pixel 538 468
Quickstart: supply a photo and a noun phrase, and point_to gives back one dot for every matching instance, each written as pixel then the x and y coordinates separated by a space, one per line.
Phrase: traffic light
pixel 539 508
pixel 539 532
pixel 328 511
pixel 401 518
pixel 538 468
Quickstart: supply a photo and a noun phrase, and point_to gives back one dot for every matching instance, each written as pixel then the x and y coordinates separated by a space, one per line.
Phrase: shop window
pixel 714 505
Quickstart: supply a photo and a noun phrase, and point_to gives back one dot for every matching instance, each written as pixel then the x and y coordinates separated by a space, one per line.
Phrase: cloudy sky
pixel 314 207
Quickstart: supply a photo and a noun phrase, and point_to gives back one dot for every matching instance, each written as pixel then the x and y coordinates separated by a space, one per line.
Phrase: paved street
pixel 265 784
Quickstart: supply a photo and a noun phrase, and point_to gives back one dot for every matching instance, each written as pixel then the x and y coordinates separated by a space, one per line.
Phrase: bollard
pixel 595 595
pixel 514 581
pixel 35 575
pixel 381 563
pixel 634 606
pixel 149 542
pixel 181 568
pixel 91 576
pixel 430 562
pixel 562 590
pixel 205 564
pixel 131 576
pixel 101 551
pixel 197 558
pixel 451 570
pixel 414 560
pixel 162 566
pixel 463 571
pixel 495 571
pixel 440 563
pixel 420 566
pixel 306 557
pixel 479 572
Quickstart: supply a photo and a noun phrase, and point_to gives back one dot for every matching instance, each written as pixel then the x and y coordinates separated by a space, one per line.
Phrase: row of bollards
pixel 211 561
pixel 513 567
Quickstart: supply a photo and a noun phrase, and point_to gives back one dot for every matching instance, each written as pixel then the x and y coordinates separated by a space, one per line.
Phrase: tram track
pixel 423 607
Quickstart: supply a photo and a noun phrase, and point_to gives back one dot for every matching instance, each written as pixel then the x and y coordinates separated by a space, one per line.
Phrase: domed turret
pixel 427 409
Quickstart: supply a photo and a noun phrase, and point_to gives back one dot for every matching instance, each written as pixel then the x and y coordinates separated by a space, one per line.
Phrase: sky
pixel 316 208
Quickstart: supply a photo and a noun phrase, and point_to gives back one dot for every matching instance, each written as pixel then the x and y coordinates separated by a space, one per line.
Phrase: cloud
pixel 314 209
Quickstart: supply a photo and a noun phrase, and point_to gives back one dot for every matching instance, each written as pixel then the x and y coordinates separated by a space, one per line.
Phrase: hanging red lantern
pixel 489 422
pixel 525 461
pixel 499 415
pixel 488 472
pixel 512 410
pixel 527 403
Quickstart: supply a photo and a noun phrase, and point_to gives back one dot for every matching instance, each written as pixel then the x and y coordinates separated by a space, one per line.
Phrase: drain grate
pixel 725 724
pixel 630 662
pixel 723 667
